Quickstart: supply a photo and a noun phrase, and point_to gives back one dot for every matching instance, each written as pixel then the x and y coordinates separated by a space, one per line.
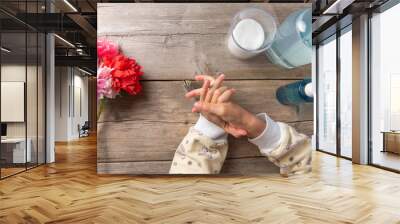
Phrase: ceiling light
pixel 337 7
pixel 64 40
pixel 5 50
pixel 70 5
pixel 80 51
pixel 84 71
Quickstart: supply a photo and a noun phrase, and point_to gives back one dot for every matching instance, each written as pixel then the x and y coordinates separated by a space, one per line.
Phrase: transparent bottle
pixel 295 93
pixel 292 46
pixel 252 31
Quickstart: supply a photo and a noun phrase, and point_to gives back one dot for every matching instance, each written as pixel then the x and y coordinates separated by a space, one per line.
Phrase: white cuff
pixel 210 129
pixel 269 139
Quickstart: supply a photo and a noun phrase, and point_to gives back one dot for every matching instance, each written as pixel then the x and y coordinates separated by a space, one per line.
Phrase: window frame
pixel 31 30
pixel 381 9
pixel 333 37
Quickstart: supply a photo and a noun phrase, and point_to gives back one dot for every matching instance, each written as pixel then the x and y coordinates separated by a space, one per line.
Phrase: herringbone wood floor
pixel 69 191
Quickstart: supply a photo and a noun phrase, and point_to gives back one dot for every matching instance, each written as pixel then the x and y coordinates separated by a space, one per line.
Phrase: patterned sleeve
pixel 285 147
pixel 202 151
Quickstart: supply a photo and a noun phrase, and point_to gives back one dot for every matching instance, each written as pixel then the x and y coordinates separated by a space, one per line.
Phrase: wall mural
pixel 204 88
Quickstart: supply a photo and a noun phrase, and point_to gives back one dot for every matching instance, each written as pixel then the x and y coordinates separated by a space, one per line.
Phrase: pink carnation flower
pixel 106 48
pixel 104 83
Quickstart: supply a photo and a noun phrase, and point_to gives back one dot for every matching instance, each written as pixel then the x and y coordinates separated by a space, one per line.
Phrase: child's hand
pixel 215 104
pixel 212 91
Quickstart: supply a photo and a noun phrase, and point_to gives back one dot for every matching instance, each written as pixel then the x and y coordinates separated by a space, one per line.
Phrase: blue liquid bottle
pixel 292 46
pixel 295 93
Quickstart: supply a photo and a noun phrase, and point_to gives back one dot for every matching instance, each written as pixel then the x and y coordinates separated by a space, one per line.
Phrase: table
pixel 391 141
pixel 17 150
pixel 139 134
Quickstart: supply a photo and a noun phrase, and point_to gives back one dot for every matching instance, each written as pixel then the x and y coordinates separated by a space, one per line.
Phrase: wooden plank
pixel 165 101
pixel 147 141
pixel 174 19
pixel 174 41
pixel 258 165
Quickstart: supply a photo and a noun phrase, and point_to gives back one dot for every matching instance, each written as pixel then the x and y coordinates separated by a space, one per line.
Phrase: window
pixel 327 96
pixel 346 92
pixel 385 89
pixel 22 76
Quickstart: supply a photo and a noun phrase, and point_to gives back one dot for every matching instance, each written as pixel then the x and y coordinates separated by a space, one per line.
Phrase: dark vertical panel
pixel 37 91
pixel 69 92
pixel 369 37
pixel 338 72
pixel 73 91
pixel 59 83
pixel 26 79
pixel 1 163
pixel 92 83
pixel 45 87
pixel 317 96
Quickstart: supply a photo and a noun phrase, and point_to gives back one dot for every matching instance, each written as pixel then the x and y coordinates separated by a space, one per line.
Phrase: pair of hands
pixel 215 104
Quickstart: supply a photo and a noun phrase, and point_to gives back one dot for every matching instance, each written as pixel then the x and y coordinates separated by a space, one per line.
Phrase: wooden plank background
pixel 173 42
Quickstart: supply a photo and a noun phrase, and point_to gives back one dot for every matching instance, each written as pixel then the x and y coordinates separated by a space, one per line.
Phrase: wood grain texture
pixel 139 134
pixel 132 141
pixel 255 165
pixel 70 191
pixel 165 102
pixel 183 39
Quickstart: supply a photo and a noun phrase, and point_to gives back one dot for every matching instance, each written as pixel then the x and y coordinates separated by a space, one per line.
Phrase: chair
pixel 84 130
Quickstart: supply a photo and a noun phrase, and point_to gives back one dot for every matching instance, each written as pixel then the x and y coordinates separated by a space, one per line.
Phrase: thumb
pixel 217 109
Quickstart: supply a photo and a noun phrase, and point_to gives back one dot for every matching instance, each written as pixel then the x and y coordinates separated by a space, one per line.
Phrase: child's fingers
pixel 225 96
pixel 204 90
pixel 193 93
pixel 216 85
pixel 205 77
pixel 218 93
pixel 218 81
pixel 209 96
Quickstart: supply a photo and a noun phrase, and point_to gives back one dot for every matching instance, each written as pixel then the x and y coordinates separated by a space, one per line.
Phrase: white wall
pixel 12 101
pixel 14 73
pixel 62 81
pixel 17 73
pixel 70 83
pixel 33 127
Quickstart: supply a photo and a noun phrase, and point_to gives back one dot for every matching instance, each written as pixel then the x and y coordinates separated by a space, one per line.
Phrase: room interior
pixel 25 68
pixel 334 56
pixel 48 150
pixel 22 101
